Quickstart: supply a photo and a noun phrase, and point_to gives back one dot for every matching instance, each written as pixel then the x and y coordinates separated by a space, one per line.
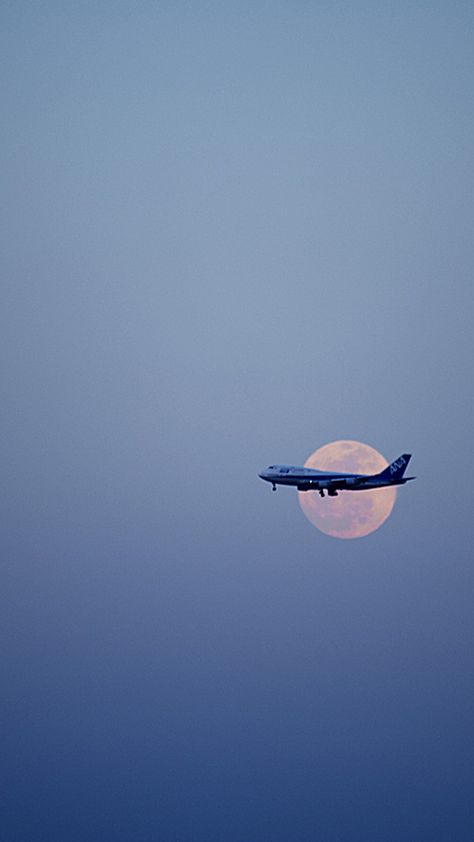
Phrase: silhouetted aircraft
pixel 309 479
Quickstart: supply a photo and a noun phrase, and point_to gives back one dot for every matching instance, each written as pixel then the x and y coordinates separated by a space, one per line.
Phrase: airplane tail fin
pixel 396 470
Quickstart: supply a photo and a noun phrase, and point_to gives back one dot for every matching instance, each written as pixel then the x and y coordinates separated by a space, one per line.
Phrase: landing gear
pixel 274 488
pixel 321 493
pixel 332 493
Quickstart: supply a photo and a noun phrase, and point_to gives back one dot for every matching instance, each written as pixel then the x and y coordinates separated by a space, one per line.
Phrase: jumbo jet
pixel 309 479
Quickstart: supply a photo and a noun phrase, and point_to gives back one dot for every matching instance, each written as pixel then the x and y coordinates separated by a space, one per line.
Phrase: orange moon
pixel 352 514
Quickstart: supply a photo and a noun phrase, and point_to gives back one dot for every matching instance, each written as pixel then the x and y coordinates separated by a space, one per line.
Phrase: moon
pixel 352 514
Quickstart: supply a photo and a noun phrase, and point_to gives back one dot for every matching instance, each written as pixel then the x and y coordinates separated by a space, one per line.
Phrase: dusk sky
pixel 233 233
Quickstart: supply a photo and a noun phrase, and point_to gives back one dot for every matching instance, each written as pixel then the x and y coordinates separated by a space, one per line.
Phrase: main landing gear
pixel 331 492
pixel 274 488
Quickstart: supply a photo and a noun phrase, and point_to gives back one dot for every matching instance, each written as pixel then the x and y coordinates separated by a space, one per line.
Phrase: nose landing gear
pixel 274 488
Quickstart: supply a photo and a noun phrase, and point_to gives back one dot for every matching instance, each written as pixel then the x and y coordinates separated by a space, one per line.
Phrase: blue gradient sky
pixel 233 233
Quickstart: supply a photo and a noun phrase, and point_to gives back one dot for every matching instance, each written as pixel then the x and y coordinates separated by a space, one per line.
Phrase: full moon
pixel 352 514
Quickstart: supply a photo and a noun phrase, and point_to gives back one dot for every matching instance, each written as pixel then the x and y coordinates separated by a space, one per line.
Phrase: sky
pixel 233 233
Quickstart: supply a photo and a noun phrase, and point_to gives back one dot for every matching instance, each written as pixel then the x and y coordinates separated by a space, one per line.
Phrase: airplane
pixel 309 479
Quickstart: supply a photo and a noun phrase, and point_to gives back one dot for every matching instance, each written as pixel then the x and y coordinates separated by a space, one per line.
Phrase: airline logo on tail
pixel 395 466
